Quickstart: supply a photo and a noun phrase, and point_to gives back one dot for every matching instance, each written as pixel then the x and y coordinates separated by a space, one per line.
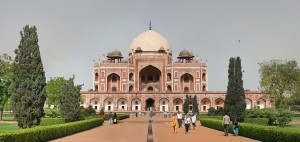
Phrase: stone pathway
pixel 136 130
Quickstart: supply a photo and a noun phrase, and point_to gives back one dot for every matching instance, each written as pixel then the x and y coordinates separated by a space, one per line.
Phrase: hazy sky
pixel 73 33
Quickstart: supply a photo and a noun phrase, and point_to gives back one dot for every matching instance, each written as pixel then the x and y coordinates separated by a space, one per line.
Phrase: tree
pixel 195 105
pixel 186 104
pixel 5 80
pixel 280 79
pixel 70 101
pixel 28 80
pixel 235 103
pixel 54 90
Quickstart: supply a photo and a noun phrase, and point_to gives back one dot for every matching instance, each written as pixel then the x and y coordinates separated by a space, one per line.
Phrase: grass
pixel 296 119
pixel 6 127
pixel 8 118
pixel 293 126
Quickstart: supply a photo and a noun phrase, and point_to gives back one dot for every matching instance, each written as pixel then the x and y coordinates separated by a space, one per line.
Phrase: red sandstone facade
pixel 151 80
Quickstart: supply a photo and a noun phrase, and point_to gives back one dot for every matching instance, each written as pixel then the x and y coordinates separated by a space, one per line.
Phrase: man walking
pixel 236 125
pixel 179 117
pixel 226 121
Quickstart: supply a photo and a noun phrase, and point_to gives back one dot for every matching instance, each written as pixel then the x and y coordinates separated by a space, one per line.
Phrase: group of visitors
pixel 167 114
pixel 188 121
pixel 226 122
pixel 112 119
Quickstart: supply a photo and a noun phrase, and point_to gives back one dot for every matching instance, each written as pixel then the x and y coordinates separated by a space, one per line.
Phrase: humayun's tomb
pixel 150 79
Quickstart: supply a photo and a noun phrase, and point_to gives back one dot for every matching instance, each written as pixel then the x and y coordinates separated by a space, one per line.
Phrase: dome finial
pixel 150 26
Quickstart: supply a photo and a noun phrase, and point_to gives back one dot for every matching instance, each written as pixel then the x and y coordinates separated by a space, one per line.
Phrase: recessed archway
pixel 136 105
pixel 122 104
pixel 248 104
pixel 150 76
pixel 149 104
pixel 205 104
pixel 164 104
pixel 177 104
pixel 108 105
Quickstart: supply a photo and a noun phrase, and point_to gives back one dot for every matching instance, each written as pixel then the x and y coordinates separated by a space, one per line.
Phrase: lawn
pixel 5 127
pixel 8 117
pixel 293 126
pixel 296 119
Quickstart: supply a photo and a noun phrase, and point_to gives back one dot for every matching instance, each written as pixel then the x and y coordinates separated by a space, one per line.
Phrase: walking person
pixel 179 117
pixel 235 125
pixel 110 118
pixel 187 122
pixel 174 123
pixel 194 119
pixel 226 121
pixel 115 120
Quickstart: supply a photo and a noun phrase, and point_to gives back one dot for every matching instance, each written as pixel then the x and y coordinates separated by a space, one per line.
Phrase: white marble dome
pixel 150 41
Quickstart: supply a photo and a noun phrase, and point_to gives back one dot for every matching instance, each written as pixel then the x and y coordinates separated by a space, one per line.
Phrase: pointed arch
pixel 187 82
pixel 113 82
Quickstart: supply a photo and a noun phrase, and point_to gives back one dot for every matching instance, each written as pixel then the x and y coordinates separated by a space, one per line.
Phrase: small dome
pixel 150 41
pixel 116 53
pixel 138 49
pixel 184 53
pixel 161 49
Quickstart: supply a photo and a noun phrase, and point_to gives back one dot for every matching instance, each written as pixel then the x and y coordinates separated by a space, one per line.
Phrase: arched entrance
pixel 149 104
pixel 150 79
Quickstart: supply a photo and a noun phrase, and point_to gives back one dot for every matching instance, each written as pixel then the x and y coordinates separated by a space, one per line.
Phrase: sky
pixel 75 33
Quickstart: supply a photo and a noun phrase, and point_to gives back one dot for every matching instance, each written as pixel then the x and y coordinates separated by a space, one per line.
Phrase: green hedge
pixel 122 116
pixel 119 116
pixel 258 132
pixel 258 121
pixel 296 115
pixel 46 133
pixel 211 117
pixel 52 121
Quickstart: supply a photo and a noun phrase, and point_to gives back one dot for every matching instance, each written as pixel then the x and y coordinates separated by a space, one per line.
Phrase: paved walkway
pixel 136 129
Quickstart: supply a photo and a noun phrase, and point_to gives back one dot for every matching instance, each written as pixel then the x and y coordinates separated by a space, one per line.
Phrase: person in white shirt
pixel 187 122
pixel 179 117
pixel 194 119
pixel 226 121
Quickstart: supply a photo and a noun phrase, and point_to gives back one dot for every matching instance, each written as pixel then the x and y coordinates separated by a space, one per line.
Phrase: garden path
pixel 136 129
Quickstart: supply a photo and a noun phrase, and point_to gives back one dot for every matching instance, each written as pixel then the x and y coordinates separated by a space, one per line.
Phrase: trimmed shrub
pixel 282 117
pixel 119 116
pixel 258 121
pixel 258 132
pixel 46 133
pixel 295 108
pixel 211 117
pixel 296 115
pixel 52 121
pixel 52 113
pixel 122 116
pixel 215 112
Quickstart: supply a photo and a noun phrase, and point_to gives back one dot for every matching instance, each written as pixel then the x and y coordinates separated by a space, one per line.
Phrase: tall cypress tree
pixel 70 101
pixel 28 81
pixel 235 103
pixel 186 104
pixel 195 105
pixel 240 104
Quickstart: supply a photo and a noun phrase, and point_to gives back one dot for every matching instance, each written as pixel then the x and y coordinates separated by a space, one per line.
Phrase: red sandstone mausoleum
pixel 150 79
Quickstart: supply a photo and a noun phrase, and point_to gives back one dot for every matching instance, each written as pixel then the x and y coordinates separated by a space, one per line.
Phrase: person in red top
pixel 104 116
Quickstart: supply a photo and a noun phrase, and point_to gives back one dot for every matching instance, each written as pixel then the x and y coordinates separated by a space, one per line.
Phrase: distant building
pixel 151 80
